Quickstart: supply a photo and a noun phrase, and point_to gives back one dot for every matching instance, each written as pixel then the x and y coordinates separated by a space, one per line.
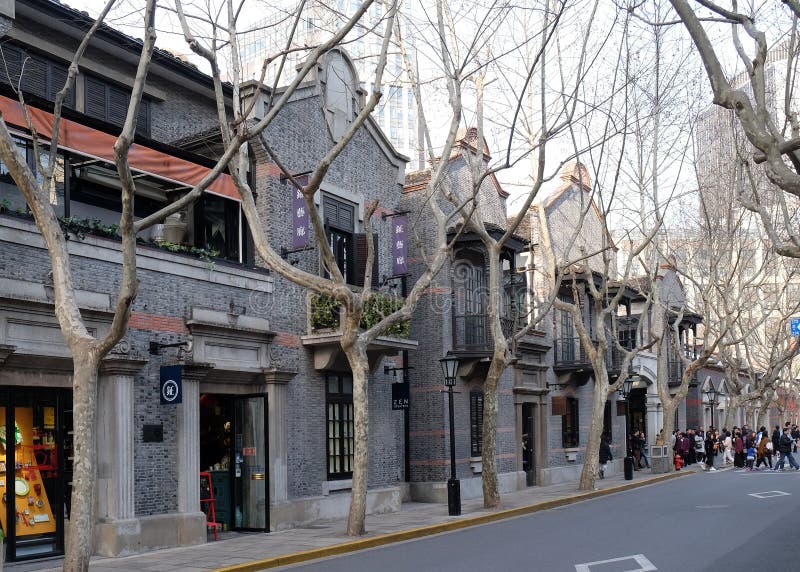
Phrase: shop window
pixel 569 423
pixel 109 103
pixel 340 433
pixel 476 423
pixel 218 226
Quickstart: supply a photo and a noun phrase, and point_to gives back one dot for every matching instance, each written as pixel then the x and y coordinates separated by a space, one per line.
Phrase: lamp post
pixel 449 369
pixel 711 395
pixel 625 392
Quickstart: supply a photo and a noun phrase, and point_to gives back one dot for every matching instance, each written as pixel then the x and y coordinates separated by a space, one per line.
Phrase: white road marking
pixel 644 564
pixel 712 506
pixel 769 494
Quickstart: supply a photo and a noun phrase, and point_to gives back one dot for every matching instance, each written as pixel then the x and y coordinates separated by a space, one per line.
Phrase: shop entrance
pixel 638 411
pixel 528 443
pixel 35 470
pixel 233 448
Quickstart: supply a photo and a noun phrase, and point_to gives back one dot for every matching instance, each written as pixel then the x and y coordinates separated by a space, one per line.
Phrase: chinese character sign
pixel 399 246
pixel 301 222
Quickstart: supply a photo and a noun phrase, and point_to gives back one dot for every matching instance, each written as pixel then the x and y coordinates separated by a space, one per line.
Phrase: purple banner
pixel 301 223
pixel 399 247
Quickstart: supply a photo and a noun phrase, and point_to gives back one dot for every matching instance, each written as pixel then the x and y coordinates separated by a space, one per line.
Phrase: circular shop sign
pixel 169 391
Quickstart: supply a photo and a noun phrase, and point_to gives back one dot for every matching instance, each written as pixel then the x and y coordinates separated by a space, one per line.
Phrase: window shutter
pixel 34 76
pixel 476 422
pixel 361 259
pixel 58 77
pixel 117 105
pixel 143 119
pixel 12 64
pixel 95 104
pixel 558 405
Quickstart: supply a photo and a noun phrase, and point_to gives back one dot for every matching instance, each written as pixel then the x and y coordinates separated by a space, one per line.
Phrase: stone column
pixel 278 442
pixel 191 522
pixel 118 527
pixel 189 439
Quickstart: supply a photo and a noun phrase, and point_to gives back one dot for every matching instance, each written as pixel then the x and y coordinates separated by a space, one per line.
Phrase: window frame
pixel 570 424
pixel 476 401
pixel 341 403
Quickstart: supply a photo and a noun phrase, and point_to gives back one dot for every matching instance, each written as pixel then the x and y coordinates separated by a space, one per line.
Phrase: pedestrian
pixel 764 454
pixel 795 437
pixel 690 453
pixel 751 458
pixel 699 446
pixel 709 449
pixel 643 451
pixel 785 448
pixel 636 448
pixel 605 456
pixel 738 450
pixel 728 448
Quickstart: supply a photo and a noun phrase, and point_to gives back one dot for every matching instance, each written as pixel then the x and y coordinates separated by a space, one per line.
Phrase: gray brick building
pixel 265 409
pixel 453 318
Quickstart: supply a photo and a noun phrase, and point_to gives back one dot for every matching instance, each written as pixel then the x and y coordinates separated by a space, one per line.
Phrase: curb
pixel 431 529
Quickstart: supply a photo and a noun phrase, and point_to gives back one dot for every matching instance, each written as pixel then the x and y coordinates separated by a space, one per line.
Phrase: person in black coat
pixel 605 456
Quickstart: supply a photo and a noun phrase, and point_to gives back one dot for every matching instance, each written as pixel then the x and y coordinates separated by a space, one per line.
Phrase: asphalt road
pixel 704 522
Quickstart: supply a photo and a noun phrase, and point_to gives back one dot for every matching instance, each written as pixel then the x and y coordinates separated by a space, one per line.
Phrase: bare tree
pixel 86 350
pixel 767 121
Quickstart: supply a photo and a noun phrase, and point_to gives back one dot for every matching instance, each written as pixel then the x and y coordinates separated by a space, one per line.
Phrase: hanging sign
pixel 301 222
pixel 399 245
pixel 399 396
pixel 171 384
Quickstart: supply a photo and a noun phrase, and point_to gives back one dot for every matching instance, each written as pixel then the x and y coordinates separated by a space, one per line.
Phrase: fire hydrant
pixel 678 462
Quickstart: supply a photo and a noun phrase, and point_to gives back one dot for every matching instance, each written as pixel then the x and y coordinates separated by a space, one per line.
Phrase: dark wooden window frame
pixel 476 422
pixel 339 427
pixel 570 433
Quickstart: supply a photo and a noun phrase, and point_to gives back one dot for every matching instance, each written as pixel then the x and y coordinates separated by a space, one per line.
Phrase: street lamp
pixel 449 369
pixel 625 392
pixel 711 395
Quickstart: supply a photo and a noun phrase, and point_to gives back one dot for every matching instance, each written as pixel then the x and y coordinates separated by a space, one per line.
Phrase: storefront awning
pixel 79 138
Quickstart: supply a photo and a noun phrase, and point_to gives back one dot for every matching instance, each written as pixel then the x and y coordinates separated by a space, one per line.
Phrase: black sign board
pixel 153 433
pixel 171 384
pixel 400 396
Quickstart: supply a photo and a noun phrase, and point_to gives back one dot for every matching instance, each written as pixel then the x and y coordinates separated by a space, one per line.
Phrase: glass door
pixel 250 466
pixel 528 443
pixel 35 433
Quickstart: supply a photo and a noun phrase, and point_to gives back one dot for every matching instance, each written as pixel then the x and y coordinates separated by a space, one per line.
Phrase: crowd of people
pixel 740 447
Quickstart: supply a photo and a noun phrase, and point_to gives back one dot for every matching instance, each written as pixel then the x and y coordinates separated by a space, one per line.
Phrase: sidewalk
pixel 328 538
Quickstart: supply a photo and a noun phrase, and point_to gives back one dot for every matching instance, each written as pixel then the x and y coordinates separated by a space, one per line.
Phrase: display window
pixel 35 469
pixel 233 455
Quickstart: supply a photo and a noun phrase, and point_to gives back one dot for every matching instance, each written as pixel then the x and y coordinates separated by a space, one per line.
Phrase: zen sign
pixel 399 396
pixel 171 384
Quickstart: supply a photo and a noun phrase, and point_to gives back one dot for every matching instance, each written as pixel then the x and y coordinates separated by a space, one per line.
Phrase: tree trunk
pixel 591 459
pixel 359 364
pixel 670 407
pixel 491 494
pixel 84 409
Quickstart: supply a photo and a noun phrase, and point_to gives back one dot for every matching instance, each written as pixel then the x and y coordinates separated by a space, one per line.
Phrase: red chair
pixel 207 503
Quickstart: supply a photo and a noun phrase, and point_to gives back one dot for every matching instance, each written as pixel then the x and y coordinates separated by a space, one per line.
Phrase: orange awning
pixel 76 137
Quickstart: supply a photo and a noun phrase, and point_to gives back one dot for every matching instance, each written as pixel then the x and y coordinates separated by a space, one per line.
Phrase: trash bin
pixel 628 468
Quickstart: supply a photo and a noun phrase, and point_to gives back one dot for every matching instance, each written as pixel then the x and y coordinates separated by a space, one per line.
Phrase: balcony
pixel 472 335
pixel 569 355
pixel 325 331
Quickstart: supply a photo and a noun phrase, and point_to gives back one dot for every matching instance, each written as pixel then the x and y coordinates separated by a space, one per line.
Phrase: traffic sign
pixel 794 326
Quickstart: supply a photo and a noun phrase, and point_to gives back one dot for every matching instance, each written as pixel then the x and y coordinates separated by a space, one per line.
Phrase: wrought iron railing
pixel 569 352
pixel 471 331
